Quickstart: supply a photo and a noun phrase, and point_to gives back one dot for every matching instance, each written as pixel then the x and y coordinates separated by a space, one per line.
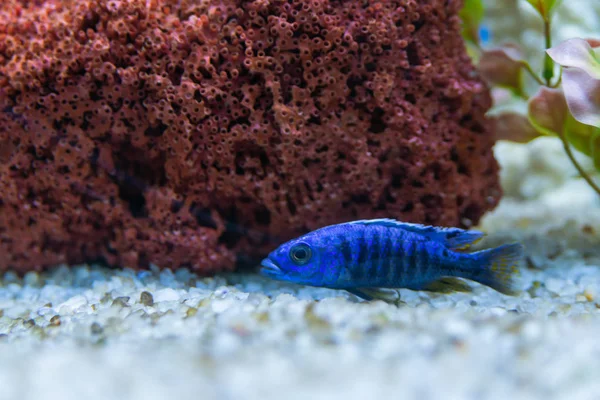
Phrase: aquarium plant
pixel 563 100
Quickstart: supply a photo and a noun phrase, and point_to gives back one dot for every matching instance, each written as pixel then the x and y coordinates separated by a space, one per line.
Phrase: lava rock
pixel 182 133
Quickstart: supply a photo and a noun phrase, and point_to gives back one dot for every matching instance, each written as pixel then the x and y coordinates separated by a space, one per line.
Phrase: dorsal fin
pixel 453 238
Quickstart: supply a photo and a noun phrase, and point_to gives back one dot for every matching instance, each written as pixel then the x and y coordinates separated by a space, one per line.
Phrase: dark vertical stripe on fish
pixel 384 250
pixel 400 252
pixel 424 260
pixel 363 252
pixel 375 257
pixel 396 263
pixel 390 261
pixel 355 270
pixel 432 265
pixel 346 250
pixel 413 266
pixel 383 239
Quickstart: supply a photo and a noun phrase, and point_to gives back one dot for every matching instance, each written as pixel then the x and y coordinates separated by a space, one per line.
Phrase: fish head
pixel 296 261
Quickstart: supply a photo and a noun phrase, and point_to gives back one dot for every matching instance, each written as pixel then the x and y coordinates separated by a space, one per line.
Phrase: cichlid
pixel 368 256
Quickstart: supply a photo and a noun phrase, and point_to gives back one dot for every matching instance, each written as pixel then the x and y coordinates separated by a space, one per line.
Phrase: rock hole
pixel 234 232
pixel 418 24
pixel 377 123
pixel 397 181
pixel 176 205
pixel 203 216
pixel 134 198
pixel 176 75
pixel 155 131
pixel 408 207
pixel 412 54
pixel 290 205
pixel 362 198
pixel 90 21
pixel 262 216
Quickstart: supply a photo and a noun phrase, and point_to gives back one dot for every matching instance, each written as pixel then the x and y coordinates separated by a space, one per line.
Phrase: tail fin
pixel 498 267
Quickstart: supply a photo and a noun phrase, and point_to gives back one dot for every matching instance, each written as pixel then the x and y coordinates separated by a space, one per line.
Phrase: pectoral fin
pixel 360 294
pixel 369 294
pixel 448 285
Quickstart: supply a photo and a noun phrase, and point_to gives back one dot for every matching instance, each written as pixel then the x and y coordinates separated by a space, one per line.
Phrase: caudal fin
pixel 498 268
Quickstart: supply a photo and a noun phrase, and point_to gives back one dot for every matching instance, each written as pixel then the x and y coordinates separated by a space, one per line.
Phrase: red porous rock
pixel 186 132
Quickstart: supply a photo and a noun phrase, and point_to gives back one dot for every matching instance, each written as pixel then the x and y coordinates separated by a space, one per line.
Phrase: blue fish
pixel 367 257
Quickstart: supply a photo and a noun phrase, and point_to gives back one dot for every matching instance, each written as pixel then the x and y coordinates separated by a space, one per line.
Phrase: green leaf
pixel 545 7
pixel 472 51
pixel 549 114
pixel 584 138
pixel 503 66
pixel 471 15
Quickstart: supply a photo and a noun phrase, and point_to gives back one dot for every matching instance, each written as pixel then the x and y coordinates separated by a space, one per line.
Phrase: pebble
pixel 96 328
pixel 166 294
pixel 256 327
pixel 55 320
pixel 121 301
pixel 146 299
pixel 72 304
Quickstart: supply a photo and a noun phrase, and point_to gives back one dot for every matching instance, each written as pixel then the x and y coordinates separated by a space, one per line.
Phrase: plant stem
pixel 533 74
pixel 581 171
pixel 559 80
pixel 548 63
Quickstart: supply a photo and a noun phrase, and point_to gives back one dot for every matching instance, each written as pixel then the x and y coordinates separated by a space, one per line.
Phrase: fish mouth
pixel 269 268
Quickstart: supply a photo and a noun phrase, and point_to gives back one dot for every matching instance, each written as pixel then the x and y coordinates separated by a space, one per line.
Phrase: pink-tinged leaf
pixel 501 96
pixel 594 43
pixel 577 53
pixel 545 7
pixel 581 77
pixel 583 96
pixel 548 111
pixel 514 127
pixel 503 67
pixel 549 114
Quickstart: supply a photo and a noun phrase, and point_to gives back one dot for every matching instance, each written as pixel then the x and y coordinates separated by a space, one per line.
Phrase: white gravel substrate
pixel 93 333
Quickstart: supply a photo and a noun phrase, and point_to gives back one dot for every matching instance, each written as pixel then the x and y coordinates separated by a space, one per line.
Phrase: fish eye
pixel 300 253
